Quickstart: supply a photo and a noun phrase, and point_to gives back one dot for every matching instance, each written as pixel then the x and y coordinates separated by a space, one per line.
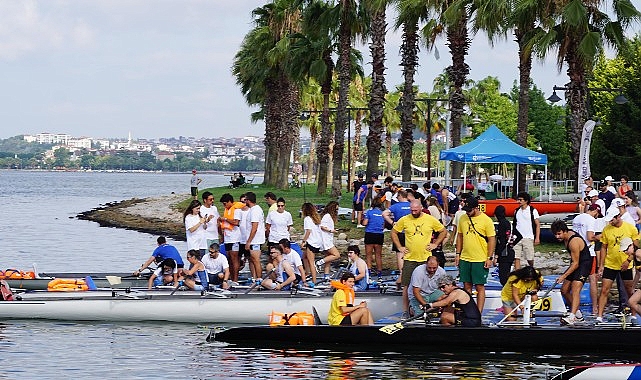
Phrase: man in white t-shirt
pixel 217 266
pixel 293 257
pixel 529 226
pixel 211 215
pixel 585 225
pixel 256 235
pixel 278 223
pixel 424 284
pixel 229 224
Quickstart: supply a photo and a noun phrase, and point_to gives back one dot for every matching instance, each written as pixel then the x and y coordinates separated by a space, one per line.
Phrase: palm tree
pixel 311 99
pixel 578 31
pixel 392 122
pixel 377 30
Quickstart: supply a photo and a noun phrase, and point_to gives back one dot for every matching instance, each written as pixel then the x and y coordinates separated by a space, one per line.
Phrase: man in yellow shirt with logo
pixel 616 256
pixel 418 228
pixel 475 241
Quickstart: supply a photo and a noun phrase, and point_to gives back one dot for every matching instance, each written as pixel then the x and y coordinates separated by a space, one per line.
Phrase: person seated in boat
pixel 459 308
pixel 216 266
pixel 282 274
pixel 195 278
pixel 520 282
pixel 342 311
pixel 424 285
pixel 358 267
pixel 294 258
pixel 162 252
pixel 165 274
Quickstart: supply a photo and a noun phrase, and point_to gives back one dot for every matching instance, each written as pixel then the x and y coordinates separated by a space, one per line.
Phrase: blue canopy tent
pixel 492 146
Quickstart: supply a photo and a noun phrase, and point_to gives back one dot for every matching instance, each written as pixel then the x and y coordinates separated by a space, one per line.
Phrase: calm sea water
pixel 38 225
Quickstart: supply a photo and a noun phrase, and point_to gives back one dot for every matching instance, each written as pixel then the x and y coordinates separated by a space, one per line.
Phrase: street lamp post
pixel 428 131
pixel 619 99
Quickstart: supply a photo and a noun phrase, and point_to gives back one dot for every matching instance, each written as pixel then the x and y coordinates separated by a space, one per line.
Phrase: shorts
pixel 474 273
pixel 524 250
pixel 510 304
pixel 582 272
pixel 357 206
pixel 374 238
pixel 431 297
pixel 408 269
pixel 214 279
pixel 347 321
pixel 232 247
pixel 242 251
pixel 401 239
pixel 199 287
pixel 254 247
pixel 194 191
pixel 611 274
pixel 312 248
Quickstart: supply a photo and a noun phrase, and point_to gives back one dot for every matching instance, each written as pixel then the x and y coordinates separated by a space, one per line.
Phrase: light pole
pixel 428 131
pixel 619 99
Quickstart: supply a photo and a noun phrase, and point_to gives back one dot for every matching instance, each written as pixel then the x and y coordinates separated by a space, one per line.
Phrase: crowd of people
pixel 602 244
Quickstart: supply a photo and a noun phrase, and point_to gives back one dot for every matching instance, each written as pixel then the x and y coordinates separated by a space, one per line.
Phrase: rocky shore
pixel 160 216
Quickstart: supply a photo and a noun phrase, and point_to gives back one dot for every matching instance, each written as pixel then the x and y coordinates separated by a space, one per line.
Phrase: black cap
pixel 470 204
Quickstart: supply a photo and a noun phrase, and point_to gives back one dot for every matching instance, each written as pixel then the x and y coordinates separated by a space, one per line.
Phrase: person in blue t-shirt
pixel 374 224
pixel 392 215
pixel 359 198
pixel 162 252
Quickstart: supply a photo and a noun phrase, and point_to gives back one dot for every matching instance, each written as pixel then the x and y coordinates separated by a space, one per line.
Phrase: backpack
pixel 531 219
pixel 453 205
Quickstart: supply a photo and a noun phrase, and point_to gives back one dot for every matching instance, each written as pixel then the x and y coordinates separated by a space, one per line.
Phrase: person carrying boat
pixel 577 273
pixel 342 311
pixel 616 257
pixel 459 308
pixel 520 282
pixel 424 285
pixel 195 278
pixel 217 267
pixel 419 228
pixel 162 252
pixel 284 275
pixel 475 244
pixel 165 274
pixel 358 266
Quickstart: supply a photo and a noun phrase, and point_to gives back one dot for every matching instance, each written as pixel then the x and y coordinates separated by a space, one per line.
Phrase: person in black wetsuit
pixel 503 252
pixel 459 308
pixel 578 271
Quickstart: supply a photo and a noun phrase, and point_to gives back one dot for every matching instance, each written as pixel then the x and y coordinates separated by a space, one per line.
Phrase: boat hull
pixel 184 307
pixel 438 338
pixel 489 205
pixel 99 279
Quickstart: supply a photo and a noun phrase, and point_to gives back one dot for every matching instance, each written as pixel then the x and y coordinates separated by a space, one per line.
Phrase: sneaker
pixel 233 283
pixel 599 319
pixel 569 320
pixel 360 226
pixel 320 268
pixel 579 315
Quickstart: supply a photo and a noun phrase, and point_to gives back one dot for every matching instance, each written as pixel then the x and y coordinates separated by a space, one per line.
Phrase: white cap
pixel 625 244
pixel 609 178
pixel 612 213
pixel 593 193
pixel 618 202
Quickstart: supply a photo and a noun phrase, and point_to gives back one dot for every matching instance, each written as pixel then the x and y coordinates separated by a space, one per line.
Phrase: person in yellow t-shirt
pixel 475 241
pixel 418 228
pixel 519 283
pixel 616 257
pixel 342 311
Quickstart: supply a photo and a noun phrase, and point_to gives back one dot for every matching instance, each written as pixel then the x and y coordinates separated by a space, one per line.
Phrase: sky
pixel 162 68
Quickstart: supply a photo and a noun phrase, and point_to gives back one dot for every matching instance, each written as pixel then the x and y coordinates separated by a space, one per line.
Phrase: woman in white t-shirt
pixel 312 241
pixel 194 227
pixel 327 226
pixel 278 223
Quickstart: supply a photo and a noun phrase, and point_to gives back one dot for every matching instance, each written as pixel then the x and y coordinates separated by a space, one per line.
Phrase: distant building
pixel 48 138
pixel 163 155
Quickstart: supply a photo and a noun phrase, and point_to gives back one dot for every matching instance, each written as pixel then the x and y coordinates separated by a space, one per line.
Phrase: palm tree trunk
pixel 312 152
pixel 458 71
pixel 577 94
pixel 326 129
pixel 377 93
pixel 272 131
pixel 356 147
pixel 388 152
pixel 525 68
pixel 409 61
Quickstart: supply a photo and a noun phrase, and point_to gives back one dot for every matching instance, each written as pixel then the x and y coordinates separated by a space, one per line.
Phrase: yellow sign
pixel 482 207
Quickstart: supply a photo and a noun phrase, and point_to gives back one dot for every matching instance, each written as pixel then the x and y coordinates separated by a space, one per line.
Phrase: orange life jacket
pixel 349 292
pixel 228 213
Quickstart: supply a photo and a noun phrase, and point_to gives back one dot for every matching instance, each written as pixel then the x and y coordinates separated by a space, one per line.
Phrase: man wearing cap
pixel 578 271
pixel 585 225
pixel 459 307
pixel 475 244
pixel 593 196
pixel 625 215
pixel 419 228
pixel 616 256
pixel 526 221
pixel 604 194
pixel 195 181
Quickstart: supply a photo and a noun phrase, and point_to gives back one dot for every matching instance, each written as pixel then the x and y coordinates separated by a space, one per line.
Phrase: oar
pixel 255 284
pixel 536 305
pixel 394 327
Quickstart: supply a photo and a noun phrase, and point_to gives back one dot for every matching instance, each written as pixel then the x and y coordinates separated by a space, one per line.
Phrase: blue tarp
pixel 493 146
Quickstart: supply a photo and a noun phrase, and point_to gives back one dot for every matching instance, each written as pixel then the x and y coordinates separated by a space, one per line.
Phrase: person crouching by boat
pixel 358 267
pixel 195 278
pixel 162 252
pixel 520 282
pixel 424 285
pixel 217 267
pixel 459 308
pixel 342 311
pixel 166 274
pixel 284 274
